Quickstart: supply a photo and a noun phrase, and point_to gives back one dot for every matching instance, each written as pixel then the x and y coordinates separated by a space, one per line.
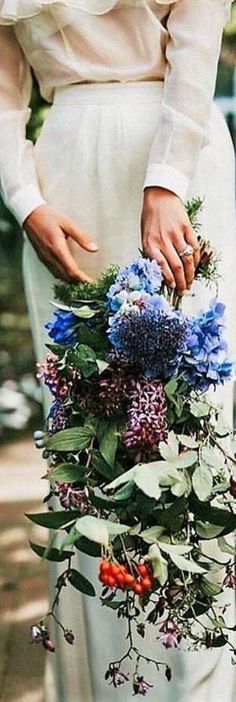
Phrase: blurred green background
pixel 19 394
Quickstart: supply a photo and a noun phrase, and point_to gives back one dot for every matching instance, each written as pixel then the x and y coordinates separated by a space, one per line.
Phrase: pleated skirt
pixel 91 158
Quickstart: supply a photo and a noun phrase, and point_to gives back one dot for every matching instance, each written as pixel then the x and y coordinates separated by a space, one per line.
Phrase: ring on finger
pixel 187 251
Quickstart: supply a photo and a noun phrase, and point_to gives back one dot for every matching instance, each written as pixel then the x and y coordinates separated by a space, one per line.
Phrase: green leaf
pixel 102 365
pixel 206 513
pixel 186 459
pixel 99 530
pixel 183 486
pixel 175 549
pixel 92 338
pixel 169 449
pixel 199 408
pixel 109 443
pixel 226 547
pixel 208 531
pixel 152 534
pixel 80 582
pixel 185 564
pixel 212 459
pixel 75 439
pixel 58 349
pixel 83 358
pixel 84 312
pixel 94 529
pixel 115 604
pixel 124 493
pixel 54 520
pixel 168 516
pixel 171 388
pixel 202 481
pixel 91 548
pixel 102 467
pixel 188 441
pixel 148 482
pixel 50 554
pixel 209 588
pixel 159 564
pixel 67 472
pixel 122 479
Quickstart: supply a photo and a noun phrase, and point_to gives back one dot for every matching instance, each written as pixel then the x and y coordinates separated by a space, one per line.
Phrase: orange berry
pixel 114 570
pixel 147 583
pixel 120 579
pixel 111 581
pixel 138 589
pixel 143 570
pixel 129 579
pixel 105 566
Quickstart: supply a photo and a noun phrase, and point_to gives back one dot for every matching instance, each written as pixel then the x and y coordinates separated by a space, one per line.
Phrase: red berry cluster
pixel 118 575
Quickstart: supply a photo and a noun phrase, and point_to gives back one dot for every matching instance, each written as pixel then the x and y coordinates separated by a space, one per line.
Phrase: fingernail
pixel 172 286
pixel 93 246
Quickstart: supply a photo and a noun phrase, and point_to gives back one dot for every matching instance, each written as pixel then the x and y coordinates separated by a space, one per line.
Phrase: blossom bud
pixel 233 486
pixel 69 636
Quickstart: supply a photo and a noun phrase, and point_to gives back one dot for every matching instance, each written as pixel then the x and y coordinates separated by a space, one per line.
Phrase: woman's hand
pixel 48 231
pixel 166 230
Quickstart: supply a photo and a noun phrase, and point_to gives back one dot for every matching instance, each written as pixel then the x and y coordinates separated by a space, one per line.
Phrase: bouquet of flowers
pixel 141 462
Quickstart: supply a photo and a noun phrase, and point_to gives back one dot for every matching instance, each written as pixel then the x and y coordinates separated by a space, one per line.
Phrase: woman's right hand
pixel 48 230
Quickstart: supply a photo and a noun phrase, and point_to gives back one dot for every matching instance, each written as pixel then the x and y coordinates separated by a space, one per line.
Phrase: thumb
pixel 74 232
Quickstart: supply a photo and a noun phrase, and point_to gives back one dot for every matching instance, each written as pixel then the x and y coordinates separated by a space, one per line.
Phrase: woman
pixel 132 133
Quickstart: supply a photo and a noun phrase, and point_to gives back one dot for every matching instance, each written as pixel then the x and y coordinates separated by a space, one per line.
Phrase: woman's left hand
pixel 166 231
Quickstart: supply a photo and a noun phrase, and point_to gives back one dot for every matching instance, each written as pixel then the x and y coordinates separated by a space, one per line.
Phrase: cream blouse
pixel 80 41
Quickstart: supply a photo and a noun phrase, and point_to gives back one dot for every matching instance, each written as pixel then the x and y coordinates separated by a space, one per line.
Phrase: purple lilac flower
pixel 57 383
pixel 151 339
pixel 142 275
pixel 206 360
pixel 147 414
pixel 58 417
pixel 71 496
pixel 62 329
pixel 116 676
pixel 170 637
pixel 141 686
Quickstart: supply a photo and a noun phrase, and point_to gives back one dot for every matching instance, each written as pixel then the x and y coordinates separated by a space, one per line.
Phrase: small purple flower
pixel 151 339
pixel 116 676
pixel 170 637
pixel 147 414
pixel 233 486
pixel 62 328
pixel 69 636
pixel 141 686
pixel 230 579
pixel 58 417
pixel 39 634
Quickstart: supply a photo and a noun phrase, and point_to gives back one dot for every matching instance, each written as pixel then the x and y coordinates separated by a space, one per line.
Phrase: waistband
pixel 109 93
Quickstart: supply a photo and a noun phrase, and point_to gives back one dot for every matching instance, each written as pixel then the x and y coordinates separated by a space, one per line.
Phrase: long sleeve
pixel 195 29
pixel 18 180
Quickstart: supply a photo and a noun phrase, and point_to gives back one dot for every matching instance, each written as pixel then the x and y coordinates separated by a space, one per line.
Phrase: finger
pixel 79 236
pixel 154 253
pixel 192 239
pixel 63 255
pixel 176 266
pixel 187 261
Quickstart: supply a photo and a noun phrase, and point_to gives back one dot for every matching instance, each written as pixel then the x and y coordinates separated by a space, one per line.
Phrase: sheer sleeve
pixel 19 187
pixel 195 30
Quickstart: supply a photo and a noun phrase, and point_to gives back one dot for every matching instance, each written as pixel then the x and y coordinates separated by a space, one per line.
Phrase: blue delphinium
pixel 205 361
pixel 142 275
pixel 152 339
pixel 62 328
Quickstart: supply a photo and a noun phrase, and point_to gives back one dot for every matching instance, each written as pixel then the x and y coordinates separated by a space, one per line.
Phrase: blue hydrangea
pixel 62 328
pixel 206 362
pixel 152 339
pixel 142 275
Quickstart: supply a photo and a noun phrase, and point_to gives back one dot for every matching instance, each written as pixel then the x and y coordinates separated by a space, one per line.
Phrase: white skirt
pixel 91 158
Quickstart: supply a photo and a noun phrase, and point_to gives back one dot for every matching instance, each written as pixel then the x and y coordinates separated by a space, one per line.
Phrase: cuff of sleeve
pixel 25 201
pixel 164 176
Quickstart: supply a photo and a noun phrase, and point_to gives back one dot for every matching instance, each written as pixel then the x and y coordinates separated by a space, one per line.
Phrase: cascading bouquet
pixel 141 463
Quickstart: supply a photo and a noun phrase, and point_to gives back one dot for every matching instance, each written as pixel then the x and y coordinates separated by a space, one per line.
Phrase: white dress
pixel 132 85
